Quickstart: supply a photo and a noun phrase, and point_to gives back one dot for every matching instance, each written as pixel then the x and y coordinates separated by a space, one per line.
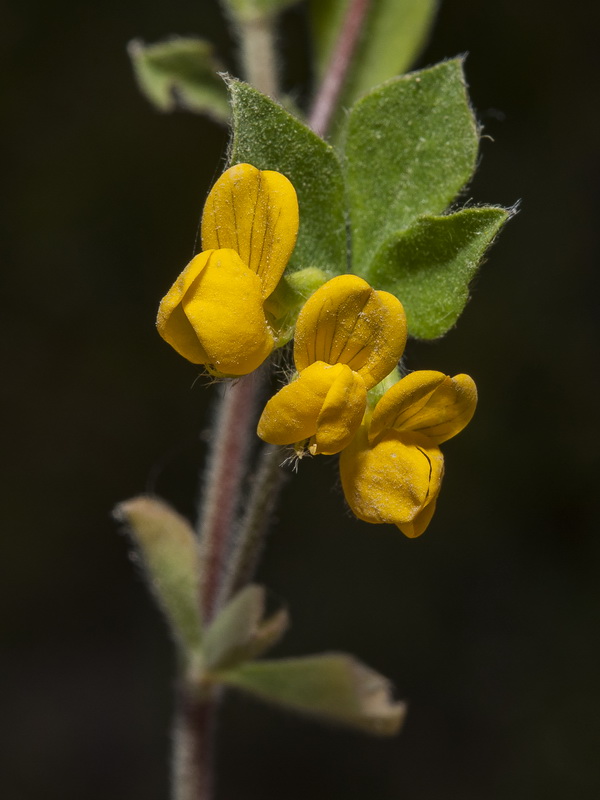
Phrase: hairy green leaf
pixel 267 136
pixel 169 554
pixel 429 266
pixel 332 686
pixel 391 37
pixel 239 632
pixel 180 73
pixel 411 145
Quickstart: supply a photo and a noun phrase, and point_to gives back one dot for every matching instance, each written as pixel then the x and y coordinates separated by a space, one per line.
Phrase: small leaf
pixel 332 686
pixel 429 266
pixel 169 554
pixel 250 10
pixel 239 633
pixel 267 136
pixel 391 38
pixel 181 73
pixel 411 146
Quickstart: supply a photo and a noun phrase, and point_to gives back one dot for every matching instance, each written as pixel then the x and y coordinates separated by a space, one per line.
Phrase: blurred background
pixel 487 625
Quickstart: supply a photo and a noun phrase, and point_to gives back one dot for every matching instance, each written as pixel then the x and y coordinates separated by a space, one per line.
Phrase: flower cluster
pixel 348 339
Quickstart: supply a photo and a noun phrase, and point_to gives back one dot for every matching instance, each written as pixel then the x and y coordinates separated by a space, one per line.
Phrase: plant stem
pixel 253 526
pixel 225 473
pixel 330 89
pixel 258 53
pixel 233 434
pixel 193 744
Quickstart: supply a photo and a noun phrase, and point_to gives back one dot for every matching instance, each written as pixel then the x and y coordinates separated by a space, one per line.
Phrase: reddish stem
pixel 331 87
pixel 225 473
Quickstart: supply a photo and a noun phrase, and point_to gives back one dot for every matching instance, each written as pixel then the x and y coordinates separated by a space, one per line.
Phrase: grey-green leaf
pixel 169 554
pixel 267 136
pixel 239 633
pixel 332 686
pixel 429 266
pixel 411 146
pixel 181 73
pixel 391 38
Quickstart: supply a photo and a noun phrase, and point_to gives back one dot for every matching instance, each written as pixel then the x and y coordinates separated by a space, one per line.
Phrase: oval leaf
pixel 169 553
pixel 429 266
pixel 180 73
pixel 411 146
pixel 333 686
pixel 268 137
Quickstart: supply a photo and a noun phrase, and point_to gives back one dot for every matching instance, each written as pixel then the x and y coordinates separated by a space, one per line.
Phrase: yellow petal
pixel 426 402
pixel 219 300
pixel 255 213
pixel 315 399
pixel 420 523
pixel 393 480
pixel 347 322
pixel 172 323
pixel 341 414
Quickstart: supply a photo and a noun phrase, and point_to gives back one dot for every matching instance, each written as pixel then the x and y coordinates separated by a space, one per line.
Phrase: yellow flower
pixel 348 338
pixel 392 471
pixel 214 313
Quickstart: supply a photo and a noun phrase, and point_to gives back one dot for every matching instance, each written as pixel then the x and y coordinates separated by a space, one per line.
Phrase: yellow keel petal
pixel 393 480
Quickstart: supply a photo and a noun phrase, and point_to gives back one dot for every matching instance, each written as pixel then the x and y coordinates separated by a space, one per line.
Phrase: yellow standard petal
pixel 325 404
pixel 213 314
pixel 426 402
pixel 255 213
pixel 395 480
pixel 348 322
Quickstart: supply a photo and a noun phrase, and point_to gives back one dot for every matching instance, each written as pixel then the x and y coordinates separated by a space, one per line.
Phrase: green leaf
pixel 391 38
pixel 411 146
pixel 267 136
pixel 181 73
pixel 169 553
pixel 239 633
pixel 251 10
pixel 429 266
pixel 332 686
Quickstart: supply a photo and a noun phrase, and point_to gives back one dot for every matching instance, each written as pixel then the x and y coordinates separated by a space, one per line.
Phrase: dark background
pixel 488 624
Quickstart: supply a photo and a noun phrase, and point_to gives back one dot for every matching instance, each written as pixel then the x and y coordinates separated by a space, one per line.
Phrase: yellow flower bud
pixel 214 313
pixel 348 322
pixel 392 471
pixel 348 337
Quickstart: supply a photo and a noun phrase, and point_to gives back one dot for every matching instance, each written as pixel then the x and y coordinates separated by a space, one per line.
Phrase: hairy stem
pixel 252 529
pixel 193 746
pixel 331 87
pixel 258 53
pixel 232 437
pixel 233 434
